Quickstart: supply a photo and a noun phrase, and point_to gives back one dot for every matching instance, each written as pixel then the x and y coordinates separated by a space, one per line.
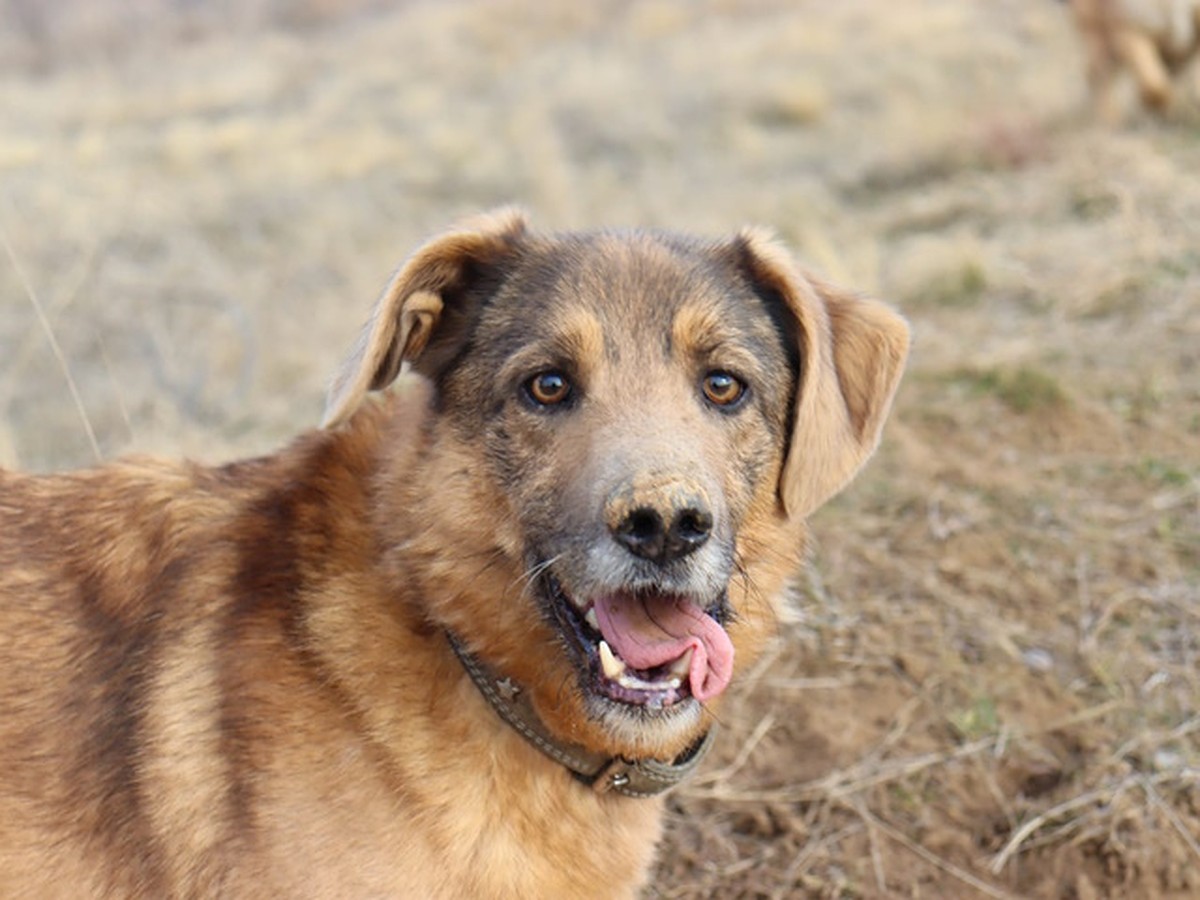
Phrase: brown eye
pixel 548 388
pixel 723 389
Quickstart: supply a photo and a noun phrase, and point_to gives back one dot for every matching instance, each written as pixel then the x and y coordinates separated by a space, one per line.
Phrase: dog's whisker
pixel 526 579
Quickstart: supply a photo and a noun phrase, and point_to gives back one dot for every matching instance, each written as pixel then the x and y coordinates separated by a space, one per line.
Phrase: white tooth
pixel 590 618
pixel 613 667
pixel 674 682
pixel 636 684
pixel 683 666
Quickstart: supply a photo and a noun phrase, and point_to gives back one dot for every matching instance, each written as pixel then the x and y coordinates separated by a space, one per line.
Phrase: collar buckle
pixel 614 776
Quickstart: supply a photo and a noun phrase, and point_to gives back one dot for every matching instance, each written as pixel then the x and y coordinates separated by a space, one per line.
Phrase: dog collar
pixel 601 772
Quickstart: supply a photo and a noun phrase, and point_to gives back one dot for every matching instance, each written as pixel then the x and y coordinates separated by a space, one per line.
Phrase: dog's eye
pixel 548 388
pixel 723 389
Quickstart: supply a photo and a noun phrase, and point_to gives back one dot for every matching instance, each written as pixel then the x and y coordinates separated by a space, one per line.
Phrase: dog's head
pixel 628 431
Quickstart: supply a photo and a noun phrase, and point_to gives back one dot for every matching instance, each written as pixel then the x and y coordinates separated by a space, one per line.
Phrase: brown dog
pixel 453 644
pixel 1153 39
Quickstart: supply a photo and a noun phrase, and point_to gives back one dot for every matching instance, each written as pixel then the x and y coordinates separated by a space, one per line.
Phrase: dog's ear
pixel 851 351
pixel 411 306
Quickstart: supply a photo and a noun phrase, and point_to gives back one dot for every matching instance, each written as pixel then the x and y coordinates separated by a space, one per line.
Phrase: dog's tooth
pixel 683 665
pixel 590 618
pixel 613 668
pixel 626 680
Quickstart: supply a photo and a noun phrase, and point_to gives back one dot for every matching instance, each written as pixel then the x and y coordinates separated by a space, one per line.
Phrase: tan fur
pixel 236 681
pixel 1152 39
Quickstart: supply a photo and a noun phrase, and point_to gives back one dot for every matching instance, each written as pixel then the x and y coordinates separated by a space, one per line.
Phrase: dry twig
pixel 54 345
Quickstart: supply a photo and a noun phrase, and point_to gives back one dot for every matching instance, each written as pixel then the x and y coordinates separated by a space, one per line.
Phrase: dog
pixel 457 641
pixel 1153 39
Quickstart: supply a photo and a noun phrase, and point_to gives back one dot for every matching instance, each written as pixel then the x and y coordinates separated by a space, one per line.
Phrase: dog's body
pixel 1153 39
pixel 239 681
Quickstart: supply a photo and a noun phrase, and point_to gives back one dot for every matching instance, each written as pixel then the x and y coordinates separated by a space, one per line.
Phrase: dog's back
pixel 129 626
pixel 156 673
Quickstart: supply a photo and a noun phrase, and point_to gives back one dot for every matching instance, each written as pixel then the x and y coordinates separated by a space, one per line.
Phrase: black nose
pixel 644 533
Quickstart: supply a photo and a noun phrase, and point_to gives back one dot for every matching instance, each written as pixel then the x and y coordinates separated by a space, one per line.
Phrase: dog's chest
pixel 483 831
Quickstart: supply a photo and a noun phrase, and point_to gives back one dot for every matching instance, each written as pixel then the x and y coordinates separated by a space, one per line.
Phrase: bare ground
pixel 990 686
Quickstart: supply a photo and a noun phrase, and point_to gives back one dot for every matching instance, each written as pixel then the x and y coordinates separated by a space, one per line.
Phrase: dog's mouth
pixel 645 648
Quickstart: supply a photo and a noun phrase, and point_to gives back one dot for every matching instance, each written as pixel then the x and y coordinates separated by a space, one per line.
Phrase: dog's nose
pixel 645 533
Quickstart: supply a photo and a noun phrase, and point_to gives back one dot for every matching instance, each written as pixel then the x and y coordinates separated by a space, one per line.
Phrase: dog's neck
pixel 601 772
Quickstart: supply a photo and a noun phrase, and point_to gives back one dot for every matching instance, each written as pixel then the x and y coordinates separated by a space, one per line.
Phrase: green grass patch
pixel 1161 472
pixel 1093 202
pixel 1023 390
pixel 958 288
pixel 977 720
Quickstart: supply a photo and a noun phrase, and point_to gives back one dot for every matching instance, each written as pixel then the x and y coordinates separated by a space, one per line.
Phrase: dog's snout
pixel 663 532
pixel 645 533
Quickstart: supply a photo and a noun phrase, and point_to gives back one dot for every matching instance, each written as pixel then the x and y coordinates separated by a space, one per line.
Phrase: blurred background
pixel 990 686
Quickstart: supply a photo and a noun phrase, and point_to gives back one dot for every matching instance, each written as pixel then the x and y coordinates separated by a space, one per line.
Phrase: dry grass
pixel 991 685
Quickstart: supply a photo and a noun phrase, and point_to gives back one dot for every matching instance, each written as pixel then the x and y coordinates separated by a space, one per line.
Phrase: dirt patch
pixel 990 685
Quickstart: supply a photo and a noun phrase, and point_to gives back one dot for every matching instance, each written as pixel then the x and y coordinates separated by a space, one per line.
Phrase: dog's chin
pixel 661 735
pixel 642 709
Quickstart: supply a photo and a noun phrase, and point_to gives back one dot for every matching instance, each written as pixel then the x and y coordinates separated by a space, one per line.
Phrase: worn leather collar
pixel 603 773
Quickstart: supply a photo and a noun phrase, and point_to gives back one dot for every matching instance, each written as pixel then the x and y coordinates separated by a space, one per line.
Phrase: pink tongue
pixel 652 631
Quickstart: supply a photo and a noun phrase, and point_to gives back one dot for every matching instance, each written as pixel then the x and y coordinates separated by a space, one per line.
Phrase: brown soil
pixel 990 686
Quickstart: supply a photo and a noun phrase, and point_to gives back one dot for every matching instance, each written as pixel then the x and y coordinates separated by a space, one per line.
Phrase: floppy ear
pixel 852 352
pixel 410 308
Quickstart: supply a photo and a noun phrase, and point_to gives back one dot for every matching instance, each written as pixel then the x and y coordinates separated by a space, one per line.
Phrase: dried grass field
pixel 991 686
